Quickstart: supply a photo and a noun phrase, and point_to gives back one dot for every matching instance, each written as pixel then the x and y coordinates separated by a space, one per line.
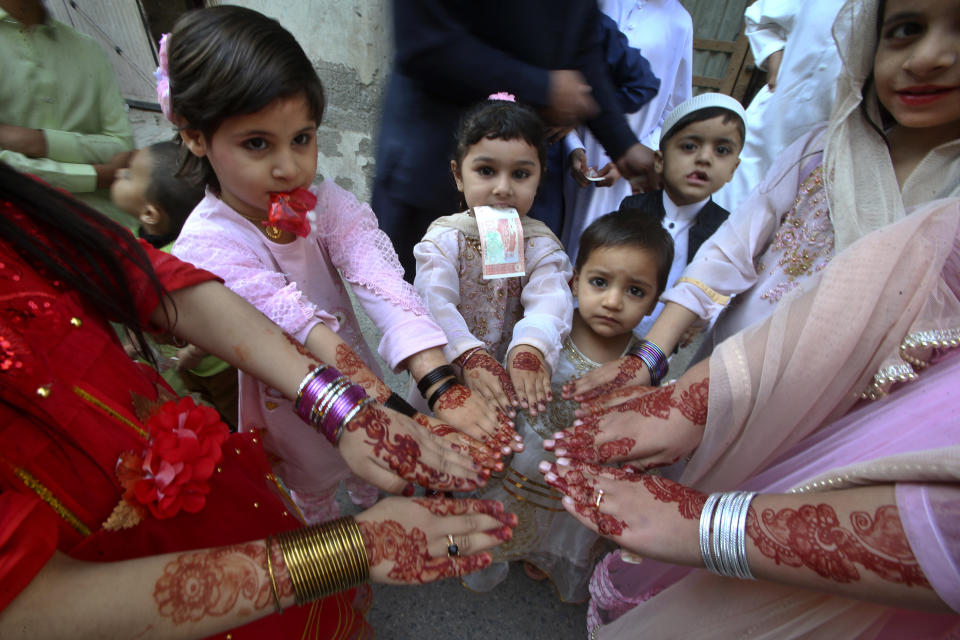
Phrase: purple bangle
pixel 307 398
pixel 335 418
pixel 652 356
pixel 304 384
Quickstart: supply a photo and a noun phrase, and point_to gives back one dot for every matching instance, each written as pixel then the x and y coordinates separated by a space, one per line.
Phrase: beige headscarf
pixel 858 174
pixel 779 381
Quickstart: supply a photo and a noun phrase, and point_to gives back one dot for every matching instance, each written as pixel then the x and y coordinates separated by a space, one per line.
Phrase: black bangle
pixel 433 377
pixel 400 405
pixel 442 389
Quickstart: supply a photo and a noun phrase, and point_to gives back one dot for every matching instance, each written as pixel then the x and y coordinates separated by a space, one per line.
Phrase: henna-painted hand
pixel 390 451
pixel 530 378
pixel 653 430
pixel 489 379
pixel 649 515
pixel 350 365
pixel 406 538
pixel 628 370
pixel 487 456
pixel 465 410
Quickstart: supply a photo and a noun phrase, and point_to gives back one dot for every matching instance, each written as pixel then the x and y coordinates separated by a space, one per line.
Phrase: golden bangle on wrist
pixel 273 577
pixel 324 559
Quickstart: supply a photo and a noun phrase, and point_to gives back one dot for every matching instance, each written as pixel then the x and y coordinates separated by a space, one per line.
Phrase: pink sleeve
pixel 931 519
pixel 246 274
pixel 367 260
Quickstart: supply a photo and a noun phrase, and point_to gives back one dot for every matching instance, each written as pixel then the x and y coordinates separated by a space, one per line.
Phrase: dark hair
pixel 705 114
pixel 504 120
pixel 226 61
pixel 77 246
pixel 886 120
pixel 632 228
pixel 174 194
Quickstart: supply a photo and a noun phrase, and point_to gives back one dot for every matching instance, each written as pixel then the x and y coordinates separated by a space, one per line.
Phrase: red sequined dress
pixel 71 403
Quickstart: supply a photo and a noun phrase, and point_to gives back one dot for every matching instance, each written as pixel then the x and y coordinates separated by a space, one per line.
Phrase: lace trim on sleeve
pixel 364 253
pixel 718 298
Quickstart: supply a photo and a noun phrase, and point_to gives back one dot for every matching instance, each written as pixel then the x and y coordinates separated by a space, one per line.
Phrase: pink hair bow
pixel 502 95
pixel 162 74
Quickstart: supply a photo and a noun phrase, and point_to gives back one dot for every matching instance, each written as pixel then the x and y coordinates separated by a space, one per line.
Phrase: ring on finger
pixel 596 503
pixel 452 549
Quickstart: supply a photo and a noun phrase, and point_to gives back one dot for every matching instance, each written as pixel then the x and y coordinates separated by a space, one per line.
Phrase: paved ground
pixel 519 608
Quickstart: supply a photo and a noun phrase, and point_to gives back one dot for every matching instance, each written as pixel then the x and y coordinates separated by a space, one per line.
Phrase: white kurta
pixel 677 220
pixel 663 31
pixel 805 89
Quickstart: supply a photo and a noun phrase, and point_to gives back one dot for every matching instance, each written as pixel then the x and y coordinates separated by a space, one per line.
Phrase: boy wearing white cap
pixel 699 152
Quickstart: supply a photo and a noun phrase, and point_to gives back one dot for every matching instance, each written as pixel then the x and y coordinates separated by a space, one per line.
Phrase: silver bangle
pixel 723 539
pixel 706 519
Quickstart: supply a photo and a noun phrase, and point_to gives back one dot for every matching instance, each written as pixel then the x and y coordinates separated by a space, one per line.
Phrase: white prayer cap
pixel 696 103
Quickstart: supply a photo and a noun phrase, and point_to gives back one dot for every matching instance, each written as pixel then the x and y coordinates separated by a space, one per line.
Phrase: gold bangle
pixel 325 558
pixel 273 579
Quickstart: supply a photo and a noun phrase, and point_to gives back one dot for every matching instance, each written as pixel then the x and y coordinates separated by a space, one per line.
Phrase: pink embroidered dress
pixel 535 309
pixel 298 285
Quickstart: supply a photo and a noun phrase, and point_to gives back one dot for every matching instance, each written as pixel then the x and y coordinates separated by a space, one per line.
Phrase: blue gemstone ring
pixel 452 549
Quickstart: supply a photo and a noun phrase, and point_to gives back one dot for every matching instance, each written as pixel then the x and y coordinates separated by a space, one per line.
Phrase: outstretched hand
pixel 487 456
pixel 407 538
pixel 654 429
pixel 649 515
pixel 530 378
pixel 489 379
pixel 628 370
pixel 480 420
pixel 392 451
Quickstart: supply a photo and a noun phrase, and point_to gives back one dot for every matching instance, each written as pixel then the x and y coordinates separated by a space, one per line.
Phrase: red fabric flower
pixel 289 210
pixel 173 472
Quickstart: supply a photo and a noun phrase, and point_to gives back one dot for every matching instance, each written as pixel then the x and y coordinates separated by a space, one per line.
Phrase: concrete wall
pixel 348 42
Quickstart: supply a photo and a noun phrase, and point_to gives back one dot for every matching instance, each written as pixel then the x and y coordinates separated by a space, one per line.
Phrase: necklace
pixel 272 232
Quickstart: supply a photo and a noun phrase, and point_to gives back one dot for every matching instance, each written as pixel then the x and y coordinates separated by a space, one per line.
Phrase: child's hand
pixel 628 370
pixel 530 378
pixel 468 412
pixel 489 379
pixel 189 357
pixel 487 454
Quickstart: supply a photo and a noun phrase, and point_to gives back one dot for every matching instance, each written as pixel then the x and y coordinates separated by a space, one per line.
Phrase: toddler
pixel 622 266
pixel 520 320
pixel 699 153
pixel 150 190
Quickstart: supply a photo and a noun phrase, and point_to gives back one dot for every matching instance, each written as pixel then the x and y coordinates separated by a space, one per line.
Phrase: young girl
pixel 248 103
pixel 892 143
pixel 501 147
pixel 622 266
